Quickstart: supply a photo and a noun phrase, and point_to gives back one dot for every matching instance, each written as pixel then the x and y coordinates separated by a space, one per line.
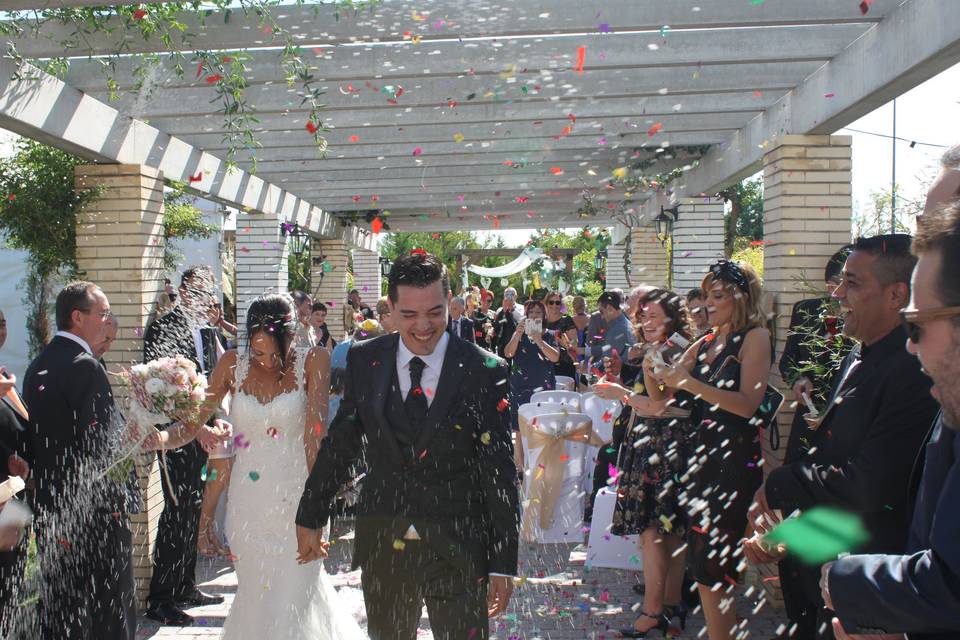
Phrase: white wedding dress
pixel 276 597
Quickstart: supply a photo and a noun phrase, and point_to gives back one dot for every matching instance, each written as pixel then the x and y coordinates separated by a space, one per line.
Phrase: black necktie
pixel 416 402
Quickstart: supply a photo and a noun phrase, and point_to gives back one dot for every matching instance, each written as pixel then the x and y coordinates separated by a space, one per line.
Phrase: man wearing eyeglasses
pixel 918 593
pixel 506 320
pixel 865 440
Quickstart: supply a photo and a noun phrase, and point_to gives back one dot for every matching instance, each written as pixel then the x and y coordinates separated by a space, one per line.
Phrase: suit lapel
pixel 451 375
pixel 844 380
pixel 383 374
pixel 19 410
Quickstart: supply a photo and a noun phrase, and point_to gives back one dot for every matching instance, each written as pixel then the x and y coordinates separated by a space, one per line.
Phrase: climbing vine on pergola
pixel 224 71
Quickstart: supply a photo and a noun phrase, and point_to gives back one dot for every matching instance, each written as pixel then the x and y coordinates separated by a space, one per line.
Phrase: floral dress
pixel 653 468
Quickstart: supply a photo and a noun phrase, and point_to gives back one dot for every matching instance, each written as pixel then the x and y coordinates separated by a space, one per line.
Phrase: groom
pixel 438 517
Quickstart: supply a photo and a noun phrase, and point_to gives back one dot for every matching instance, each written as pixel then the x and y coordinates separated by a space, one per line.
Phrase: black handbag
pixel 766 414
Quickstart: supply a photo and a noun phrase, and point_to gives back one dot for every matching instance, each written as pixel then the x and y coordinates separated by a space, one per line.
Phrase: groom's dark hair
pixel 416 269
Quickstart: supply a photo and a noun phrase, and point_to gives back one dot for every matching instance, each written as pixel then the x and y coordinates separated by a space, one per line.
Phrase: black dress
pixel 725 474
pixel 565 366
pixel 653 468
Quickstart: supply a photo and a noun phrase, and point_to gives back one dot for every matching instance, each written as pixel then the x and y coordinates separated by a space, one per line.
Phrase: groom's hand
pixel 499 590
pixel 310 545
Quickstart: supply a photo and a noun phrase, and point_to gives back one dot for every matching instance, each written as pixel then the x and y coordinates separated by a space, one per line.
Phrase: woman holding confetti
pixel 726 371
pixel 653 465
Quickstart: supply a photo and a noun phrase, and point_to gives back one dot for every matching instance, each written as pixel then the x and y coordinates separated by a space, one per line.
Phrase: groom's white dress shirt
pixel 428 382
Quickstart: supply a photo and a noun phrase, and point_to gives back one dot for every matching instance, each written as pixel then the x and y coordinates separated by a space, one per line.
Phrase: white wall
pixel 13 269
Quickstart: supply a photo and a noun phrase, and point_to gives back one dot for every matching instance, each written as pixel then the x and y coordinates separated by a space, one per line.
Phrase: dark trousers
pixel 88 593
pixel 606 456
pixel 12 564
pixel 397 584
pixel 800 585
pixel 175 554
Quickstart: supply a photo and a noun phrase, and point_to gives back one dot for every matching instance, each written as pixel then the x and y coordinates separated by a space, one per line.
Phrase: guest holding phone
pixel 654 456
pixel 726 371
pixel 533 353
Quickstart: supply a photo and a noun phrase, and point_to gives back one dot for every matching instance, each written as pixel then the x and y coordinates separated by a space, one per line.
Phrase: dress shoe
pixel 199 599
pixel 169 615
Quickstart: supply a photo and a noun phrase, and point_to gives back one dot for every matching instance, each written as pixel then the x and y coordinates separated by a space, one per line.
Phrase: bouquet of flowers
pixel 161 391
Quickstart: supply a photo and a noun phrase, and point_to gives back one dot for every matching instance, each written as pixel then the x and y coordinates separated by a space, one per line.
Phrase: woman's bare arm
pixel 317 370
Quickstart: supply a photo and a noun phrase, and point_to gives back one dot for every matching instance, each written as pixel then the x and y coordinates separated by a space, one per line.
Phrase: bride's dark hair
pixel 274 315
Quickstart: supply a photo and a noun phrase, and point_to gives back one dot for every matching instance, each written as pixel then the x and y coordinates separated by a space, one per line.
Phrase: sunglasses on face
pixel 554 302
pixel 913 319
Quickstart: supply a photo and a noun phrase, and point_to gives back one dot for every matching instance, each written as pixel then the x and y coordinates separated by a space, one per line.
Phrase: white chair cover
pixel 570 399
pixel 603 413
pixel 566 383
pixel 567 521
pixel 605 549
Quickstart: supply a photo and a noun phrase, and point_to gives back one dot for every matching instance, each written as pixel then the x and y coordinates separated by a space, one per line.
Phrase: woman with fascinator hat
pixel 726 371
pixel 279 413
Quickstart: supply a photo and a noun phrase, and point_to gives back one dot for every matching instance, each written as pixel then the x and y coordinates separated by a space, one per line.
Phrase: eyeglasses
pixel 913 319
pixel 554 302
pixel 509 295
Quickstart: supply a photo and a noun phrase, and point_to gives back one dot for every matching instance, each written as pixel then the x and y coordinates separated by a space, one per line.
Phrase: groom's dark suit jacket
pixel 456 481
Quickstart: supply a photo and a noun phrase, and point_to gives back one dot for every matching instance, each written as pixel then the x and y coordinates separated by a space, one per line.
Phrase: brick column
pixel 807 211
pixel 120 245
pixel 328 280
pixel 648 258
pixel 697 240
pixel 261 259
pixel 366 274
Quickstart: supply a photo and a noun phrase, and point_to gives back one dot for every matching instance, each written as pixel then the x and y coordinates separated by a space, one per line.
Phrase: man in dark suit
pixel 863 447
pixel 84 539
pixel 460 325
pixel 918 592
pixel 813 343
pixel 438 517
pixel 182 331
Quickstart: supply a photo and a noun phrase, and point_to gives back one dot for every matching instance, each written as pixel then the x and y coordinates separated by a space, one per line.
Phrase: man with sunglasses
pixel 865 440
pixel 918 593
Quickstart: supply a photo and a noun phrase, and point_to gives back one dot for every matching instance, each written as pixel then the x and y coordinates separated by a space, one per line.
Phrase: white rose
pixel 154 385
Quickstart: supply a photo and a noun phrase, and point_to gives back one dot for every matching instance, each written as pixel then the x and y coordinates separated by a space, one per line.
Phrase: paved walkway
pixel 560 600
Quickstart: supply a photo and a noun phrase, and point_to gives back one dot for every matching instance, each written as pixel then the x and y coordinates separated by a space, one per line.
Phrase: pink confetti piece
pixel 417 151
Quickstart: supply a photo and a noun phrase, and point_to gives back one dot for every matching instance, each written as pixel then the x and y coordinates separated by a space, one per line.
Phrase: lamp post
pixel 298 239
pixel 665 222
pixel 599 261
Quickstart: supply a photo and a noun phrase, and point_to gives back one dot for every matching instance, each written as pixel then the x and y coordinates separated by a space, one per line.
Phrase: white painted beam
pixel 45 109
pixel 912 44
pixel 390 21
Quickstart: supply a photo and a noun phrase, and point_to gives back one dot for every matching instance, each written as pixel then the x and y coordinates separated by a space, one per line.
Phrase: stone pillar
pixel 697 240
pixel 120 244
pixel 328 279
pixel 616 276
pixel 261 259
pixel 366 275
pixel 807 212
pixel 648 258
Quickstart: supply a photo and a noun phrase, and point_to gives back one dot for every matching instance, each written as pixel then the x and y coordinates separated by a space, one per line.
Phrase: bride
pixel 278 408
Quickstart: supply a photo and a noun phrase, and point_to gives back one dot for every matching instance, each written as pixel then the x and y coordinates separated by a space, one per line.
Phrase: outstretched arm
pixel 338 451
pixel 317 369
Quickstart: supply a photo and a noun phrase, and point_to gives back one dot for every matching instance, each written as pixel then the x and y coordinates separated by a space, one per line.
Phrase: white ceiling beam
pixel 45 109
pixel 912 44
pixel 319 25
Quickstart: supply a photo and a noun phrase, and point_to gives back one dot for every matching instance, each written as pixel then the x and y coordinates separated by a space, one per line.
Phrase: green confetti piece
pixel 490 362
pixel 212 475
pixel 254 476
pixel 820 534
pixel 203 473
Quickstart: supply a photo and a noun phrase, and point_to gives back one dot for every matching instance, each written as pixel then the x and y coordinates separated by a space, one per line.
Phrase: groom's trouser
pixel 398 582
pixel 175 554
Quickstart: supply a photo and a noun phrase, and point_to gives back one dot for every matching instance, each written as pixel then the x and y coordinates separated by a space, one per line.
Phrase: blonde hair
pixel 747 306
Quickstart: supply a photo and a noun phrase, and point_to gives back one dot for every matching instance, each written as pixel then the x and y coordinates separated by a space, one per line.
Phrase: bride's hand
pixel 310 545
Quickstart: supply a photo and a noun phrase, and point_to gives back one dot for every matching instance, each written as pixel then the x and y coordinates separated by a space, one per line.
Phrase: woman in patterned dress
pixel 653 467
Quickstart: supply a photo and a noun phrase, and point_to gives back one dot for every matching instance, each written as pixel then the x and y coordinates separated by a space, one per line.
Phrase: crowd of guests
pixel 872 361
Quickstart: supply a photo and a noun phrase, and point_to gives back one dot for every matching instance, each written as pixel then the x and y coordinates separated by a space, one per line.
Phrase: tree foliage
pixel 181 219
pixel 745 218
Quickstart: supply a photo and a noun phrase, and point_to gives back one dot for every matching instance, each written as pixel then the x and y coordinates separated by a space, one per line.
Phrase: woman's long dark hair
pixel 674 307
pixel 274 315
